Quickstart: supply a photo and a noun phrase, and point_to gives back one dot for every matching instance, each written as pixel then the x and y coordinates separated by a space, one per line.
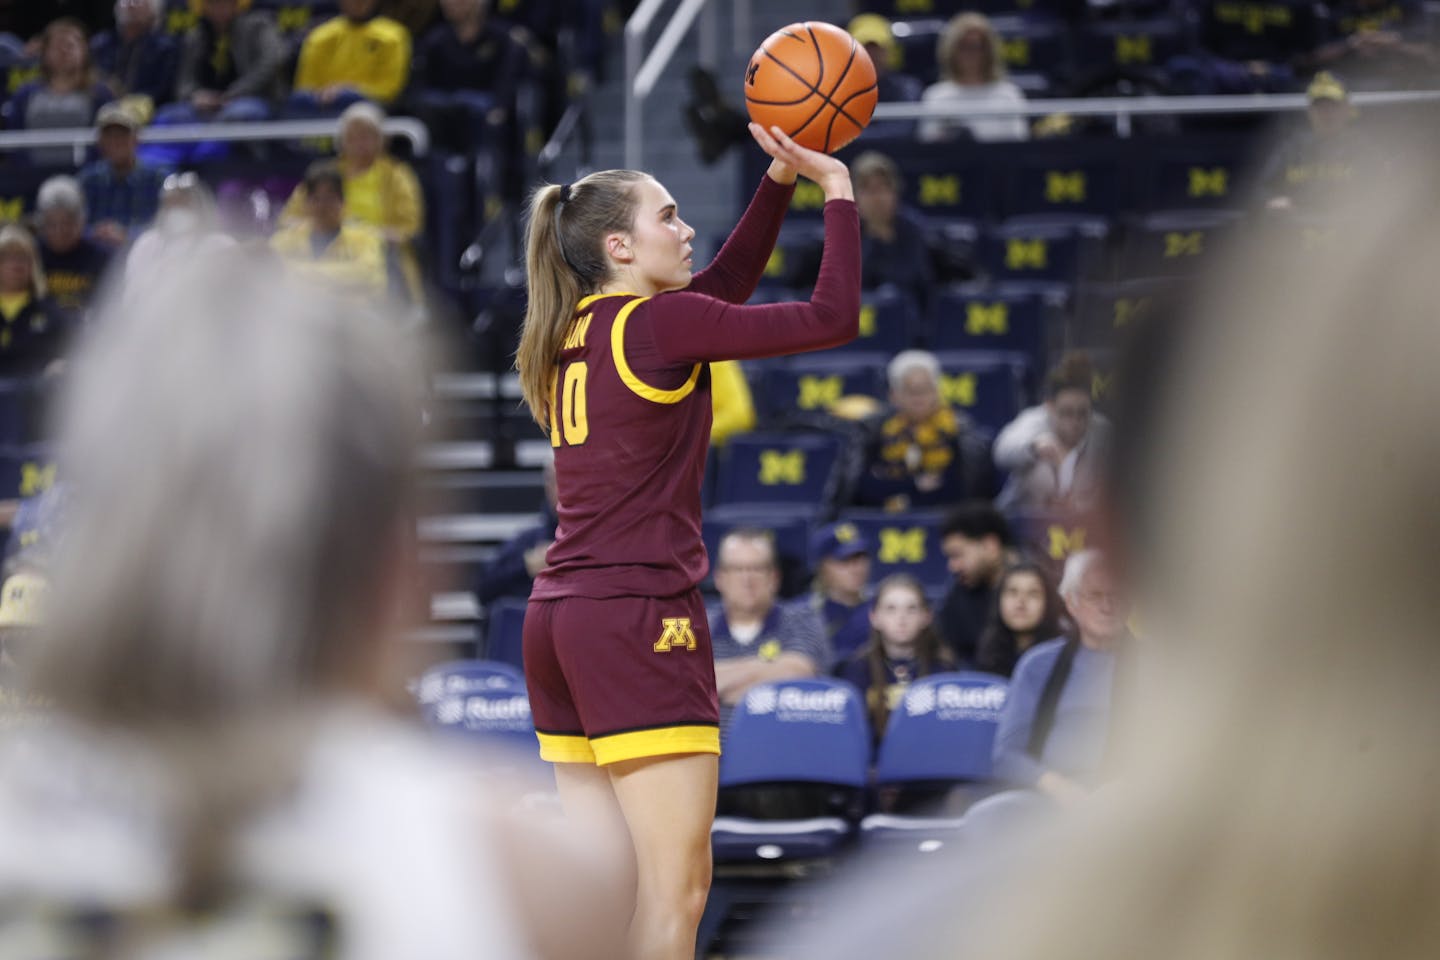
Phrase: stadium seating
pixel 989 386
pixel 1104 311
pixel 498 716
pixel 1174 243
pixel 971 317
pixel 1050 537
pixel 940 736
pixel 791 529
pixel 796 469
pixel 461 677
pixel 811 382
pixel 806 733
pixel 904 543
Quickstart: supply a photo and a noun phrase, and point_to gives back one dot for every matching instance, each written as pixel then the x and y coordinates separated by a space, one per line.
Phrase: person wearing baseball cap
pixel 840 555
pixel 892 85
pixel 122 191
pixel 1310 168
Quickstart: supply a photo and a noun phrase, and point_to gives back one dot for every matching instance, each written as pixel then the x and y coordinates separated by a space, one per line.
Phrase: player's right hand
pixel 832 175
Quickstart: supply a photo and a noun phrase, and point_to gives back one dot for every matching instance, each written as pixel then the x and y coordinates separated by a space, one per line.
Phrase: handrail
pixel 642 71
pixel 568 123
pixel 1123 108
pixel 79 137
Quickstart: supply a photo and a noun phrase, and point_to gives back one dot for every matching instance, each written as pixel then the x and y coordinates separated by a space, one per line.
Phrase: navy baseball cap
pixel 839 541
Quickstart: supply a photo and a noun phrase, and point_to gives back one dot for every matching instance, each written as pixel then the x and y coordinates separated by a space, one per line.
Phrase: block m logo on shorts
pixel 675 634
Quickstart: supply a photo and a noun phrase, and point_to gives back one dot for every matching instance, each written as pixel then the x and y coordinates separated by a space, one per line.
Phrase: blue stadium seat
pixel 791 528
pixel 988 385
pixel 25 471
pixel 1174 243
pixel 505 630
pixel 797 252
pixel 496 715
pixel 1050 537
pixel 968 317
pixel 941 735
pixel 1130 44
pixel 1064 185
pixel 797 732
pixel 1032 44
pixel 1196 176
pixel 904 543
pixel 1042 254
pixel 811 382
pixel 1104 311
pixel 458 678
pixel 797 469
pixel 944 182
pixel 889 322
pixel 180 16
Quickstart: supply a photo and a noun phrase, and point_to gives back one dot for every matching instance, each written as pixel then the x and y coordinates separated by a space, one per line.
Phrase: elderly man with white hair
pixel 1054 732
pixel 927 454
pixel 74 264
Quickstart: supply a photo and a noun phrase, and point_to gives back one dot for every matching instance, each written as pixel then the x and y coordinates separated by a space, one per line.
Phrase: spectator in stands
pixel 1312 168
pixel 841 554
pixel 73 262
pixel 1054 451
pixel 467 72
pixel 893 247
pixel 231 67
pixel 1378 43
pixel 978 546
pixel 380 192
pixel 732 407
pixel 32 328
pixel 122 191
pixel 756 638
pixel 1026 612
pixel 511 572
pixel 972 72
pixel 875 34
pixel 926 453
pixel 1053 731
pixel 348 255
pixel 355 56
pixel 138 58
pixel 67 93
pixel 186 226
pixel 903 646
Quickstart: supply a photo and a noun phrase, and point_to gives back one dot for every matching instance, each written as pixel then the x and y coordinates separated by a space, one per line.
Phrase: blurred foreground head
pixel 238 451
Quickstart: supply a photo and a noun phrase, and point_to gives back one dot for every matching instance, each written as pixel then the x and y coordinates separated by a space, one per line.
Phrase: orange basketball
pixel 813 81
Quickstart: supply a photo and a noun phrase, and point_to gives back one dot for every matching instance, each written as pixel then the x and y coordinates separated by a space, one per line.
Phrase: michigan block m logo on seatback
pixel 1022 254
pixel 676 633
pixel 1132 49
pixel 902 546
pixel 808 196
pixel 1016 51
pixel 987 318
pixel 1189 244
pixel 959 388
pixel 1128 308
pixel 1065 186
pixel 867 319
pixel 1212 182
pixel 779 467
pixel 817 392
pixel 1063 542
pixel 939 190
pixel 12 209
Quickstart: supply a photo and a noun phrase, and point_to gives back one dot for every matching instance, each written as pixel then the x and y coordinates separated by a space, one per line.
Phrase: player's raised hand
pixel 791 158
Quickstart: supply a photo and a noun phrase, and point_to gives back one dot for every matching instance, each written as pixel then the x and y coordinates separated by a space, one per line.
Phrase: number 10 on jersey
pixel 568 415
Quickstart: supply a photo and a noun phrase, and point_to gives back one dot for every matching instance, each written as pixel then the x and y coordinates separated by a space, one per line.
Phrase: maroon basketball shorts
pixel 622 678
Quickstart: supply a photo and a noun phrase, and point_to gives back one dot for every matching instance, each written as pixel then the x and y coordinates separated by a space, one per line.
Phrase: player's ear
pixel 617 245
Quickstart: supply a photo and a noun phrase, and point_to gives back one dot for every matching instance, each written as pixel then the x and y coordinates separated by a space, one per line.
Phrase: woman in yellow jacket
pixel 380 191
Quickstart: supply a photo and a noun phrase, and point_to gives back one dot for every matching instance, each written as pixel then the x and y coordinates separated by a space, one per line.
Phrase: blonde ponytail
pixel 565 260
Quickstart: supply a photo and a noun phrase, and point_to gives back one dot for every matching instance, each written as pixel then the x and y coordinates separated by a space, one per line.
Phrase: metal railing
pixel 643 71
pixel 80 138
pixel 1124 109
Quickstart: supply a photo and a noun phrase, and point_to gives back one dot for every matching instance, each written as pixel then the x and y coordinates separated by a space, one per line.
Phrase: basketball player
pixel 612 363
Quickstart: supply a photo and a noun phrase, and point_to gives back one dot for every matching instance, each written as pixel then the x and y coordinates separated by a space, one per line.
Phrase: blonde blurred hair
pixel 955 30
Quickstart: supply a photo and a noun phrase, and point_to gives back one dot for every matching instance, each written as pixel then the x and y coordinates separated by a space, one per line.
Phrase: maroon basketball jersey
pixel 629 460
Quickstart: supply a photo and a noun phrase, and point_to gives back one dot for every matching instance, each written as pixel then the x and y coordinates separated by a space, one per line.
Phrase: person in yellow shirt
pixel 380 191
pixel 354 56
pixel 348 255
pixel 734 411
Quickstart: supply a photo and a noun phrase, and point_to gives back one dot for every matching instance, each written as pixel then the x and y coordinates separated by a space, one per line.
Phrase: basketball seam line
pixel 839 108
pixel 815 91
